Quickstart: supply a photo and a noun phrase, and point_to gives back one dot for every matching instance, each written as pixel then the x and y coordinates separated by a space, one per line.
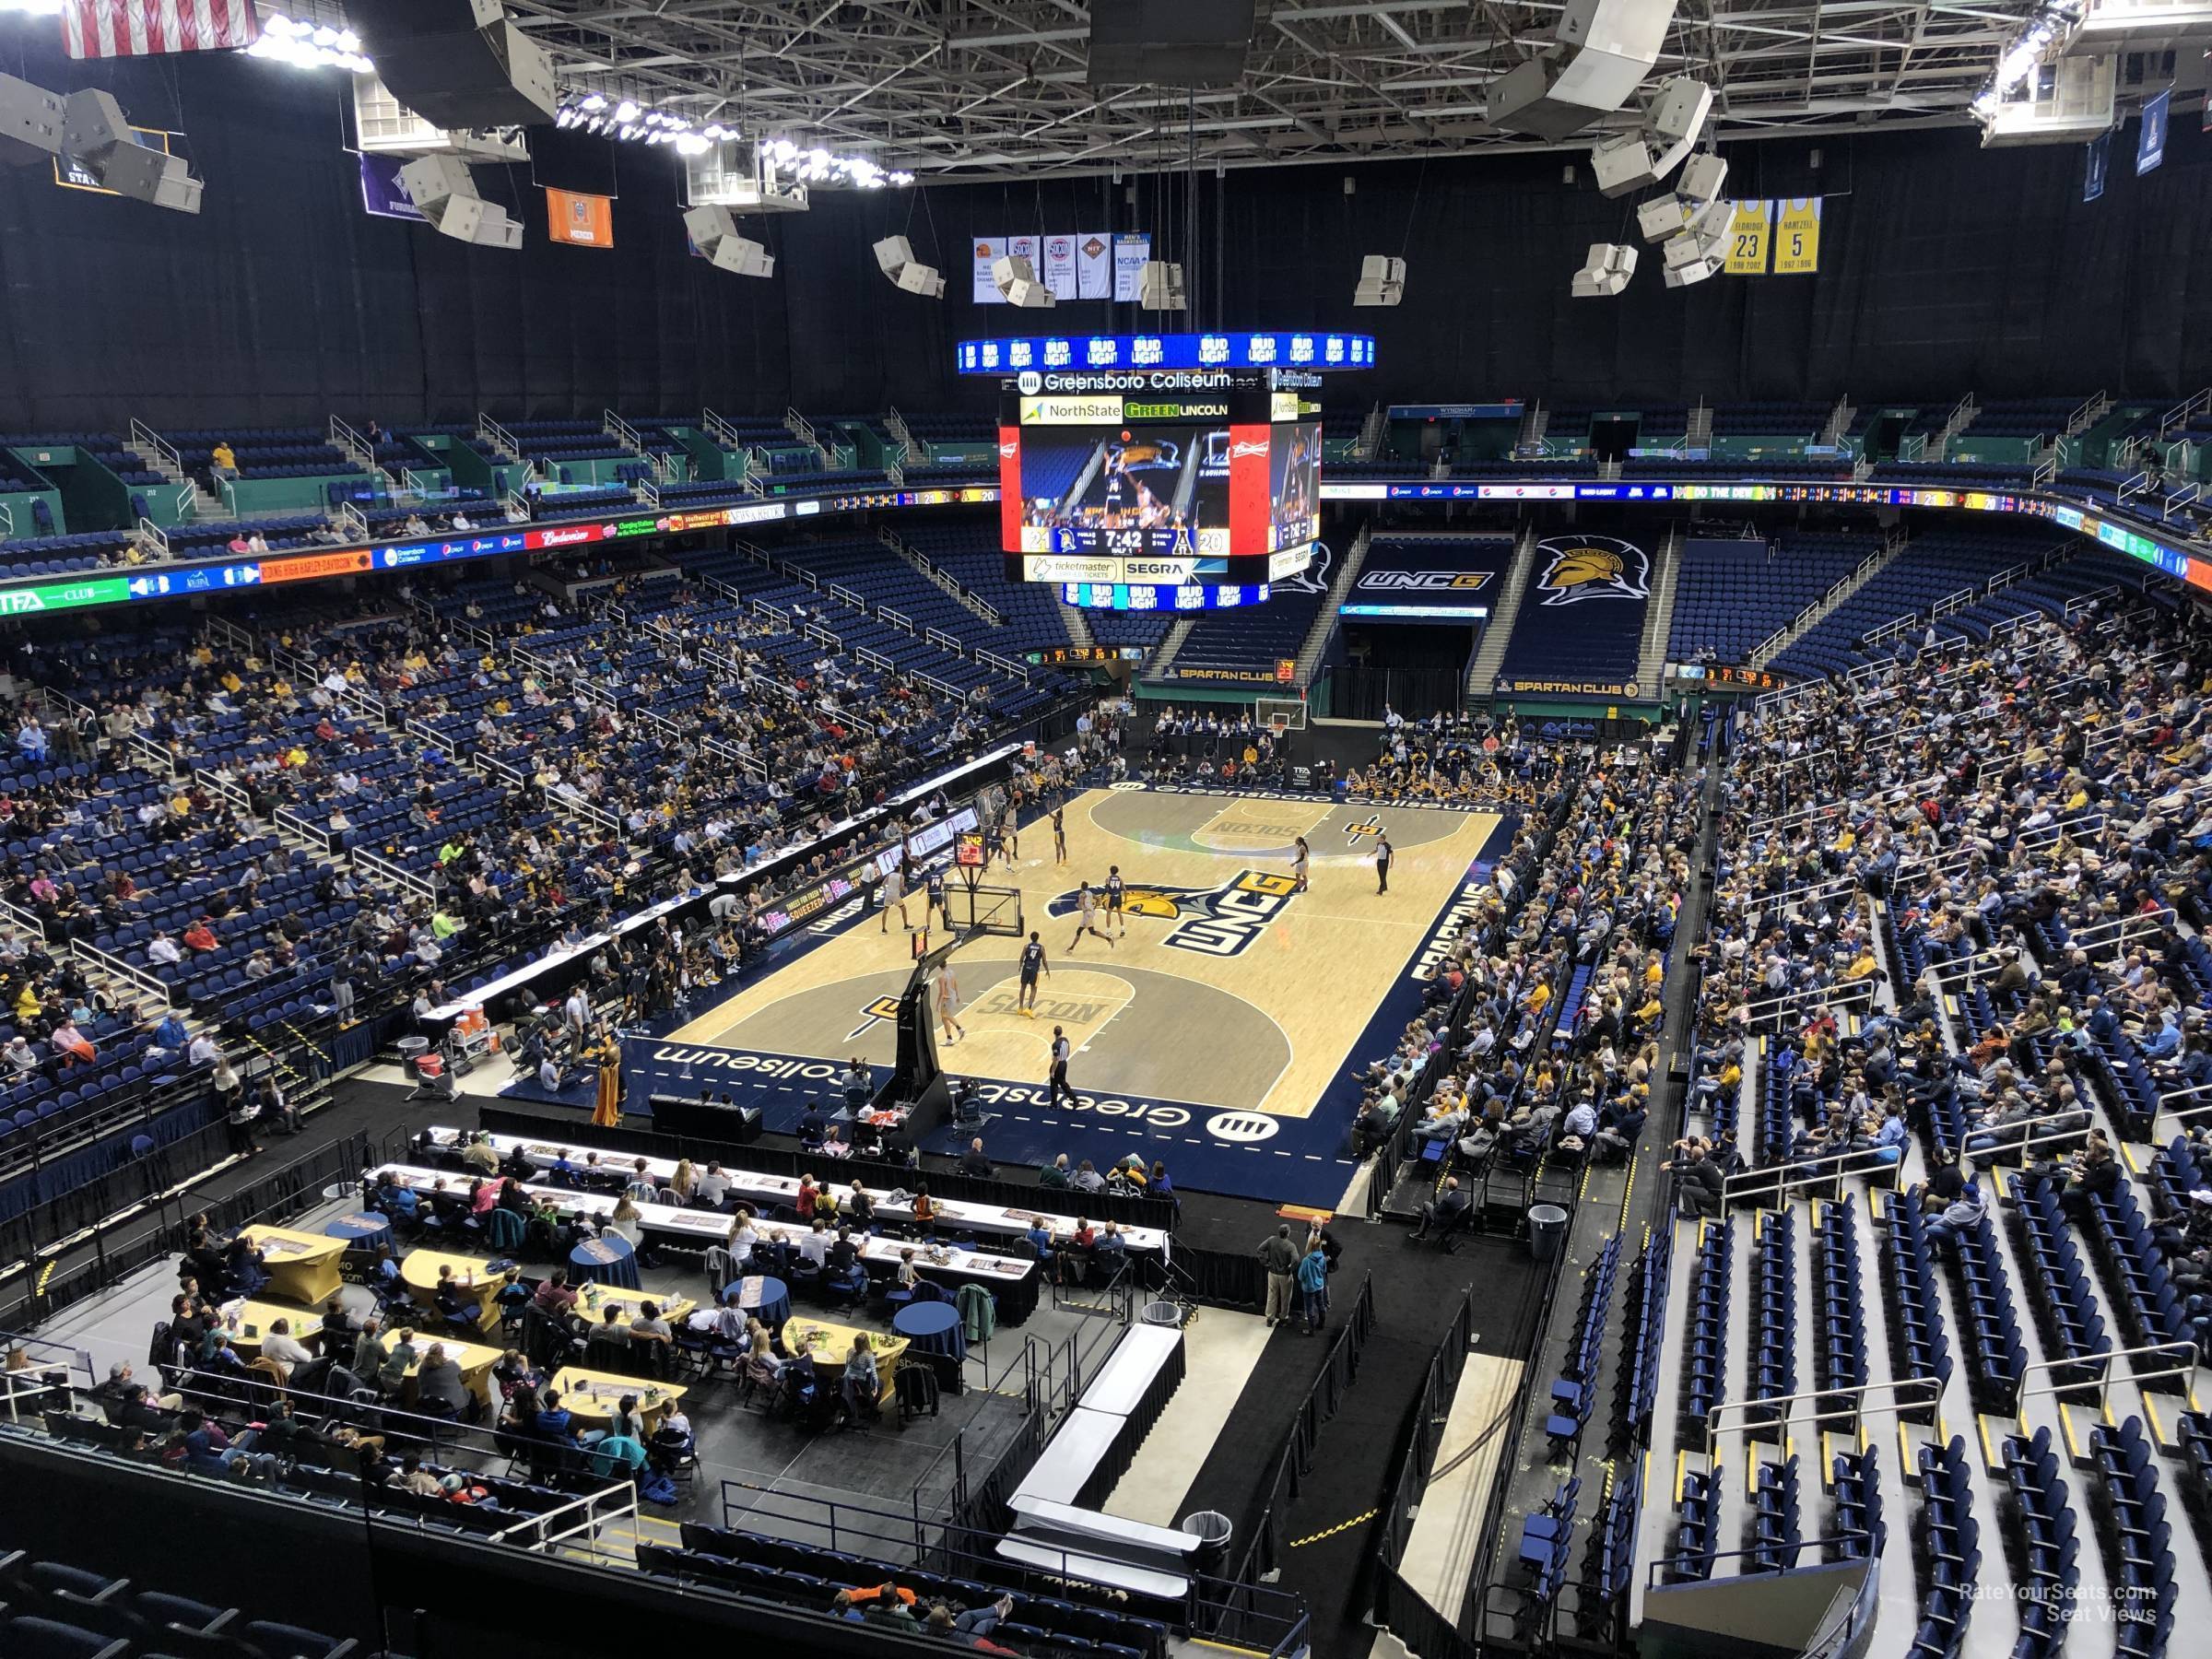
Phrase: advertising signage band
pixel 1284 349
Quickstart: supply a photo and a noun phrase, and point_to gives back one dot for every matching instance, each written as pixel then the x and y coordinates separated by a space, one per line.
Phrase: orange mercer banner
pixel 579 221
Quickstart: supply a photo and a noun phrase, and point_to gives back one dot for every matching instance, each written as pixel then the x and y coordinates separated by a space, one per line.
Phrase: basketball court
pixel 1216 1032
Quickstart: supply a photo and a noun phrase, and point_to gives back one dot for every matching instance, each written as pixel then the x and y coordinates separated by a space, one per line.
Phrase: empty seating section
pixel 52 1609
pixel 1574 1391
pixel 1841 1348
pixel 1937 565
pixel 1775 1307
pixel 1611 1566
pixel 1953 1549
pixel 261 453
pixel 1546 1539
pixel 2073 1328
pixel 1696 1533
pixel 970 555
pixel 2136 1268
pixel 1802 421
pixel 2045 1516
pixel 1705 1334
pixel 1061 1616
pixel 1997 1356
pixel 1920 1346
pixel 1775 1531
pixel 1855 1478
pixel 1646 1338
pixel 2034 417
pixel 2144 1591
pixel 549 442
pixel 1241 639
pixel 1731 596
pixel 1591 639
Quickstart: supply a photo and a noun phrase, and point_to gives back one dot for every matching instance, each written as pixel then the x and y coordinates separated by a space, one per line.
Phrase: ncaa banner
pixel 1130 253
pixel 577 220
pixel 987 248
pixel 1059 268
pixel 1750 229
pixel 1094 266
pixel 1798 237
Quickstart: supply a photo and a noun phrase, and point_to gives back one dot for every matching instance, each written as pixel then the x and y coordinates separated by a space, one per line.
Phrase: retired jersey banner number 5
pixel 1750 228
pixel 1798 237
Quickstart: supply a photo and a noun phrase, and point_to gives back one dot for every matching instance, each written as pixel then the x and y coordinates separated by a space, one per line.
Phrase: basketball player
pixel 1010 833
pixel 1383 855
pixel 894 892
pixel 1032 964
pixel 934 901
pixel 948 1003
pixel 1086 917
pixel 1062 1048
pixel 1113 899
pixel 1059 835
pixel 1300 856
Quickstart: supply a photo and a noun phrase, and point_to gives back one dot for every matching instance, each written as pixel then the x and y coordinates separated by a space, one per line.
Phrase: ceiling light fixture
pixel 2049 25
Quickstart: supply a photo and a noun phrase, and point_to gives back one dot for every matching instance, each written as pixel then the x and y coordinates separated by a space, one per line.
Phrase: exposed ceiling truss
pixel 996 88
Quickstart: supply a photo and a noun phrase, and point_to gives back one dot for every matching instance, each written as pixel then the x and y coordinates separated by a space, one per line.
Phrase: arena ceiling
pixel 997 88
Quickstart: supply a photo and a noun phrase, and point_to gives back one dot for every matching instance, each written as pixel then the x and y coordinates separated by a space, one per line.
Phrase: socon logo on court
pixel 1592 567
pixel 1216 922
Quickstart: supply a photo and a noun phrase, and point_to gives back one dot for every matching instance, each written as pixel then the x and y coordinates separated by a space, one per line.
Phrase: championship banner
pixel 72 174
pixel 2150 144
pixel 1059 268
pixel 1750 233
pixel 1798 237
pixel 383 195
pixel 101 28
pixel 1130 253
pixel 987 248
pixel 577 220
pixel 1094 266
pixel 1027 247
pixel 2097 166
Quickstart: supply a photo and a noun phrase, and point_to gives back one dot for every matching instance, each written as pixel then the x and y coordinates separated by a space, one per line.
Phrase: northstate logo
pixel 1216 922
pixel 1592 567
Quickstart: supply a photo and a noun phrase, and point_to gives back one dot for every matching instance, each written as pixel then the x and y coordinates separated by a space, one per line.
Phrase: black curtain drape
pixel 1943 268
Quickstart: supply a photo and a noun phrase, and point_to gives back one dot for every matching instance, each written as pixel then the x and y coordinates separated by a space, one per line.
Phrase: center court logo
pixel 1216 922
pixel 1367 829
pixel 1592 567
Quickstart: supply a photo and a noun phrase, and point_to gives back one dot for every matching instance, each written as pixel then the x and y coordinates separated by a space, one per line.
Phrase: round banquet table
pixel 767 1299
pixel 607 1260
pixel 363 1231
pixel 932 1328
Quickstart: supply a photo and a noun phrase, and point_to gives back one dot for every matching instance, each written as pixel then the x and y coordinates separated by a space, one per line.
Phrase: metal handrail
pixel 1798 1171
pixel 1858 1396
pixel 2103 1359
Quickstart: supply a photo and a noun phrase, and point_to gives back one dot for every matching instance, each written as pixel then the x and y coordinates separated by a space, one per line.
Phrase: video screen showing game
pixel 1294 486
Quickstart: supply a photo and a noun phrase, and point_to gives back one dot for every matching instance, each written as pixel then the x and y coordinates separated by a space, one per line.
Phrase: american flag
pixel 99 29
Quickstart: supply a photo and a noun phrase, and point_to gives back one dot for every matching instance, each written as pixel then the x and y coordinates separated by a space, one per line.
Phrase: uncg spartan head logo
pixel 1216 922
pixel 1592 567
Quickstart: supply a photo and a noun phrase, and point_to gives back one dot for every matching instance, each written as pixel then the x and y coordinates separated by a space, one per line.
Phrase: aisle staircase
pixel 1163 658
pixel 162 456
pixel 1482 674
pixel 1838 422
pixel 1324 620
pixel 1817 612
pixel 1075 622
pixel 1659 614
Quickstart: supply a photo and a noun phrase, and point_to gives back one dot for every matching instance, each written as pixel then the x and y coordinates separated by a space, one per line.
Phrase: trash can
pixel 1212 1529
pixel 1547 1227
pixel 411 1050
pixel 1161 1313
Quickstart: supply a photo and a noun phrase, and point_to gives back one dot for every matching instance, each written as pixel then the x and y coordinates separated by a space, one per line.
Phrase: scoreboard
pixel 1141 481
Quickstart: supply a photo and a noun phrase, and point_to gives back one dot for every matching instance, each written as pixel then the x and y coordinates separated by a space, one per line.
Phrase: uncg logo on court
pixel 1367 829
pixel 1216 922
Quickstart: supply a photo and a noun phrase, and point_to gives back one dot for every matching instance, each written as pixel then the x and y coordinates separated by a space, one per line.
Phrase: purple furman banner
pixel 382 193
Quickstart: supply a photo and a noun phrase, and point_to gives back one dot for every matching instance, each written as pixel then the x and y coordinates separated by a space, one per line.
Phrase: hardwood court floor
pixel 1226 989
